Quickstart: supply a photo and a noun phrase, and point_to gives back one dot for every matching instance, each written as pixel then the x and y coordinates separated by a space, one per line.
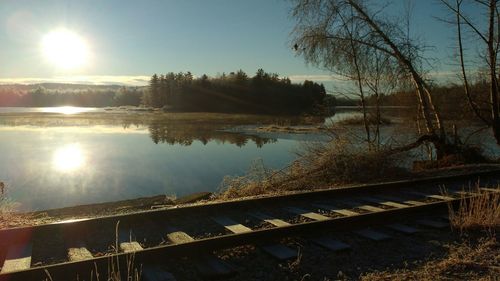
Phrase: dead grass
pixel 358 120
pixel 7 208
pixel 465 261
pixel 477 254
pixel 320 165
pixel 292 129
pixel 479 213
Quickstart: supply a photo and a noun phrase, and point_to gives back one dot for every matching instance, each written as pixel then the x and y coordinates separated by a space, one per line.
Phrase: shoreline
pixel 164 202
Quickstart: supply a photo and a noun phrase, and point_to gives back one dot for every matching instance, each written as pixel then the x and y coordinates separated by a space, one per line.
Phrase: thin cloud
pixel 138 80
pixel 96 129
pixel 318 78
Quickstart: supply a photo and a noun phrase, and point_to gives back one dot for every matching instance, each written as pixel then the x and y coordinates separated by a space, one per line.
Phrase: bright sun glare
pixel 65 49
pixel 67 110
pixel 68 158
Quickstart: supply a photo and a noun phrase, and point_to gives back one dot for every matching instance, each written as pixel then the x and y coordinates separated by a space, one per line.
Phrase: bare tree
pixel 372 74
pixel 324 31
pixel 491 42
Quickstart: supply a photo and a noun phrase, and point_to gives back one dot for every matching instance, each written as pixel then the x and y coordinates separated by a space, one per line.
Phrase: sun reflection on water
pixel 68 158
pixel 65 109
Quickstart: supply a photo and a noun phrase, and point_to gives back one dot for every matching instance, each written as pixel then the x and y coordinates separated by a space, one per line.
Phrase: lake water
pixel 51 158
pixel 52 162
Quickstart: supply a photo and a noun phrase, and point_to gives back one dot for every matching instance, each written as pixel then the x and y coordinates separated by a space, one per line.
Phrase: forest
pixel 235 92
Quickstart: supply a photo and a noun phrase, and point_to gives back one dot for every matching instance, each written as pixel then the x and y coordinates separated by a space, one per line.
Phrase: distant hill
pixel 58 94
pixel 62 87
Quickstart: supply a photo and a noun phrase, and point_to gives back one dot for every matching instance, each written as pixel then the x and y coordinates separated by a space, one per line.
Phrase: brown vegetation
pixel 465 261
pixel 475 256
pixel 322 165
pixel 478 213
pixel 359 120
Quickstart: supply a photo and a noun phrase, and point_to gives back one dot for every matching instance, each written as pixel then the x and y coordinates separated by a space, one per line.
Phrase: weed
pixel 479 212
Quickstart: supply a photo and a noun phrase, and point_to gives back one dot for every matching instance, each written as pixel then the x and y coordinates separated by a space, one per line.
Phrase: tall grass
pixel 480 212
pixel 320 165
pixel 7 208
pixel 464 261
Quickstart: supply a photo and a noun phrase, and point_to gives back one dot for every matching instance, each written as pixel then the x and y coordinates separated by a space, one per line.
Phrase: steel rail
pixel 12 234
pixel 160 254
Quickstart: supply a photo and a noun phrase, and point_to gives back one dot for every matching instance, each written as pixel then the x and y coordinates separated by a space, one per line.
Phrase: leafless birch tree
pixel 490 39
pixel 326 29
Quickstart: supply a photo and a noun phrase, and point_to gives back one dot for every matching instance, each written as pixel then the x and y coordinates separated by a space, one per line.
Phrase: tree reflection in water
pixel 170 128
pixel 185 134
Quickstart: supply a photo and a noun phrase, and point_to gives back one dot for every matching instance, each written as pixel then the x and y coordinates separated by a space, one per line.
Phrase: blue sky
pixel 130 40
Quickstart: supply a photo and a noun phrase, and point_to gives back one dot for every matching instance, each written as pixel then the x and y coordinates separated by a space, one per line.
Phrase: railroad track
pixel 76 249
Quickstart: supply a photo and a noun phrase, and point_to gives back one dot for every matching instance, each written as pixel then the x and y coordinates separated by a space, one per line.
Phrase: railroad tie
pixel 359 205
pixel 155 273
pixel 306 214
pixel 440 197
pixel 75 244
pixel 432 223
pixel 79 254
pixel 391 198
pixel 280 252
pixel 402 201
pixel 372 234
pixel 434 196
pixel 445 217
pixel 403 228
pixel 127 243
pixel 269 219
pixel 330 244
pixel 335 209
pixel 465 193
pixel 211 267
pixel 414 203
pixel 277 251
pixel 149 272
pixel 18 258
pixel 208 265
pixel 383 202
pixel 179 237
pixel 231 225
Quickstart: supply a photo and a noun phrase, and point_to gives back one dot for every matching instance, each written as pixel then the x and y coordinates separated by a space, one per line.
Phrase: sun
pixel 65 49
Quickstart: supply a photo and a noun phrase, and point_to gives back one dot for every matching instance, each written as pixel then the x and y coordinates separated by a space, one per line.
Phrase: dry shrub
pixel 320 165
pixel 481 212
pixel 7 208
pixel 343 162
pixel 256 181
pixel 465 261
pixel 458 155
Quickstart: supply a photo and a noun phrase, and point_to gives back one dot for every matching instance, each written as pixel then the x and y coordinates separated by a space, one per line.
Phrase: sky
pixel 127 41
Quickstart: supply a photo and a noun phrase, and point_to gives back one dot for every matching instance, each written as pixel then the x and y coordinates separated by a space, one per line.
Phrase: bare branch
pixel 466 20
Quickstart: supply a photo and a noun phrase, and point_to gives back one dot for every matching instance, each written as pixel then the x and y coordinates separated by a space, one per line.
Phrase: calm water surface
pixel 71 160
pixel 55 166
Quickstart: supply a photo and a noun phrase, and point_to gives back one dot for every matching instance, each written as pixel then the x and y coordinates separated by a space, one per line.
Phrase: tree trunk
pixel 493 77
pixel 429 110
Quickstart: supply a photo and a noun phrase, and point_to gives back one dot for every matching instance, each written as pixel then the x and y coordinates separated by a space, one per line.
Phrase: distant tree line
pixel 90 96
pixel 235 92
pixel 449 98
